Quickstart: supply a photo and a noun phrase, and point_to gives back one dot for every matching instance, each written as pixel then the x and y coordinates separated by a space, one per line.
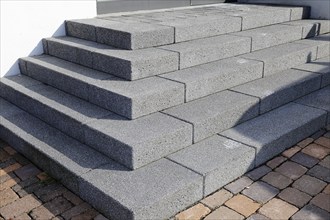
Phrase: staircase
pixel 143 114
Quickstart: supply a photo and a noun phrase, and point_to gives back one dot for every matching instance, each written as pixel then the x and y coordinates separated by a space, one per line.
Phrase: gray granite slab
pixel 311 27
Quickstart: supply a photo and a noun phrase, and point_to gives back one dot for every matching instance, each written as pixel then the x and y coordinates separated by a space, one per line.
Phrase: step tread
pixel 131 99
pixel 281 88
pixel 273 132
pixel 154 191
pixel 215 113
pixel 204 158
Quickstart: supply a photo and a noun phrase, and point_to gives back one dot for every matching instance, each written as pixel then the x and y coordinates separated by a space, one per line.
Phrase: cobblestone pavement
pixel 292 185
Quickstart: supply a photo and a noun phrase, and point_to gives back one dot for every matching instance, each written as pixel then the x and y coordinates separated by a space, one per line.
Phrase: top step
pixel 156 28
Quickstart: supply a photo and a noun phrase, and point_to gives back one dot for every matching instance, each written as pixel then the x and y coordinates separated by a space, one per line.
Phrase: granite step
pixel 156 28
pixel 133 143
pixel 275 131
pixel 311 27
pixel 156 191
pixel 131 99
pixel 126 64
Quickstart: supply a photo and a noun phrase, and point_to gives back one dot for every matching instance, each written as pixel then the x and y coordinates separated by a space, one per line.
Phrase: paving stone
pixel 309 184
pixel 257 217
pixel 4 156
pixel 323 141
pixel 224 213
pixel 320 172
pixel 19 207
pixel 9 183
pixel 41 212
pixel 203 158
pixel 295 197
pixel 305 142
pixel 196 52
pixel 311 212
pixel 7 163
pixel 76 210
pixel 291 151
pixel 24 216
pixel 10 168
pixel 239 184
pixel 259 172
pixel 273 35
pixel 196 212
pixel 327 189
pixel 276 162
pixel 44 177
pixel 261 192
pixel 243 205
pixel 100 217
pixel 25 183
pixel 316 151
pixel 278 180
pixel 318 134
pixel 304 160
pixel 216 76
pixel 30 189
pixel 58 205
pixel 7 196
pixel 50 192
pixel 10 150
pixel 282 57
pixel 217 199
pixel 147 197
pixel 6 177
pixel 27 171
pixel 322 201
pixel 278 209
pixel 311 27
pixel 90 214
pixel 236 109
pixel 325 162
pixel 291 170
pixel 130 99
pixel 273 132
pixel 127 64
pixel 74 199
pixel 319 66
pixel 281 88
pixel 120 34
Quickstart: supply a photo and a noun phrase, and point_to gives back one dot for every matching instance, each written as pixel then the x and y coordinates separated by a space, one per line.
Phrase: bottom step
pixel 162 188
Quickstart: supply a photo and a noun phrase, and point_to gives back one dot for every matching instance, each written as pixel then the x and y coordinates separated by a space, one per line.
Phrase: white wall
pixel 320 8
pixel 25 23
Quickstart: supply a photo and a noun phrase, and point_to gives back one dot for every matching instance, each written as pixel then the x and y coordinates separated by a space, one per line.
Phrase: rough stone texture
pixel 27 171
pixel 258 172
pixel 282 57
pixel 295 197
pixel 138 142
pixel 224 213
pixel 257 217
pixel 309 184
pixel 217 199
pixel 276 179
pixel 120 34
pixel 242 205
pixel 291 170
pixel 304 160
pixel 277 130
pixel 319 66
pixel 7 196
pixel 316 151
pixel 196 212
pixel 326 162
pixel 311 27
pixel 320 172
pixel 305 142
pixel 311 212
pixel 224 110
pixel 278 209
pixel 213 77
pixel 203 158
pixel 261 192
pixel 206 50
pixel 323 141
pixel 322 43
pixel 281 88
pixel 269 36
pixel 322 201
pixel 130 99
pixel 126 64
pixel 276 162
pixel 151 199
pixel 238 185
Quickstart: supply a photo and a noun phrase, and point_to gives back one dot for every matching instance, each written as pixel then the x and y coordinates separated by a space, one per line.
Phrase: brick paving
pixel 293 185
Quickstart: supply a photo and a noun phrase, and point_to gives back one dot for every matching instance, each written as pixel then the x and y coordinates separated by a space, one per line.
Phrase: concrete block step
pixel 281 88
pixel 273 132
pixel 322 42
pixel 131 99
pixel 319 66
pixel 156 191
pixel 215 113
pixel 130 65
pixel 311 27
pixel 213 77
pixel 133 143
pixel 218 159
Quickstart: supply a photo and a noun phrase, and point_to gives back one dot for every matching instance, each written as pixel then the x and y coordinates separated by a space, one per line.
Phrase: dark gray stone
pixel 276 179
pixel 275 131
pixel 291 170
pixel 261 192
pixel 320 172
pixel 309 185
pixel 215 113
pixel 156 191
pixel 304 159
pixel 258 172
pixel 281 88
pixel 311 212
pixel 325 162
pixel 295 197
pixel 238 185
pixel 203 158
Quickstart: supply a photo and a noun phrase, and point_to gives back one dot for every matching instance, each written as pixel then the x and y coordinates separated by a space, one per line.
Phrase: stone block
pixel 203 158
pixel 311 27
pixel 273 132
pixel 215 113
pixel 322 43
pixel 281 88
pixel 213 77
